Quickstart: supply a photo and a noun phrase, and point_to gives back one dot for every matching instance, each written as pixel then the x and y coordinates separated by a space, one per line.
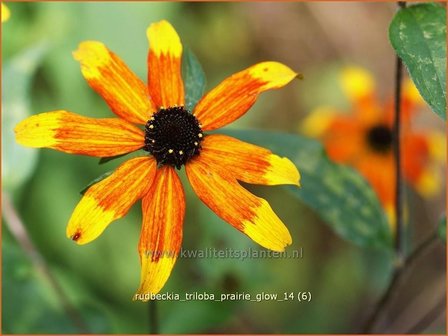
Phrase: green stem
pixel 153 320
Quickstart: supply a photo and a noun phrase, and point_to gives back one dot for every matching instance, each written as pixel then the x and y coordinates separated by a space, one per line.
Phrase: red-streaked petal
pixel 236 94
pixel 164 65
pixel 161 237
pixel 111 199
pixel 72 133
pixel 246 212
pixel 126 95
pixel 249 163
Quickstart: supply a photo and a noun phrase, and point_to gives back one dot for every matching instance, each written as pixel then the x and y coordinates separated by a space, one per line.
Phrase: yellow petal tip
pixel 163 39
pixel 267 229
pixel 274 74
pixel 282 171
pixel 91 55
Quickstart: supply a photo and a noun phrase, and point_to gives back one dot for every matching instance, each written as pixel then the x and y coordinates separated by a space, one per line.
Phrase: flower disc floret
pixel 173 136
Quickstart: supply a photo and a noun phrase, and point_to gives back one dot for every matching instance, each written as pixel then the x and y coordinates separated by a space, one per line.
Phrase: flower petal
pixel 111 199
pixel 410 101
pixel 234 204
pixel 236 94
pixel 164 65
pixel 250 163
pixel 415 155
pixel 161 237
pixel 318 121
pixel 378 170
pixel 357 83
pixel 359 86
pixel 126 95
pixel 344 139
pixel 437 146
pixel 72 133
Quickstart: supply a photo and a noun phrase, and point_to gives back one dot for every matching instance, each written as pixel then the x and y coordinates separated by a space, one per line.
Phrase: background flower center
pixel 379 138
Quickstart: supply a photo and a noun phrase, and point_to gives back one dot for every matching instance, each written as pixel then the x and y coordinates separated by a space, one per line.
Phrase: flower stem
pixel 153 320
pixel 400 255
pixel 15 225
pixel 399 241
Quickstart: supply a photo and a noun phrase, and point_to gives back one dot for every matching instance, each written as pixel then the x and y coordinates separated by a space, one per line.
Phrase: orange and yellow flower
pixel 173 137
pixel 363 138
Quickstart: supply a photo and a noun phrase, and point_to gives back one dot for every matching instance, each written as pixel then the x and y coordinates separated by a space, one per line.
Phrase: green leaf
pixel 338 194
pixel 18 162
pixel 441 229
pixel 107 159
pixel 418 35
pixel 130 155
pixel 95 181
pixel 194 79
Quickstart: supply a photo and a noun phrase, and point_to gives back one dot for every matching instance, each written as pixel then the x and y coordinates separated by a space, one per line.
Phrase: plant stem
pixel 400 261
pixel 398 278
pixel 399 234
pixel 153 321
pixel 15 225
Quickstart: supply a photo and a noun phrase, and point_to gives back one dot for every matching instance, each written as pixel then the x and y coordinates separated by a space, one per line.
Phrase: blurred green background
pixel 101 278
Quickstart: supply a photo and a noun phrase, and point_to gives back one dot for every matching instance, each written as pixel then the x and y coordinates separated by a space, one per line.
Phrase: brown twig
pixel 15 225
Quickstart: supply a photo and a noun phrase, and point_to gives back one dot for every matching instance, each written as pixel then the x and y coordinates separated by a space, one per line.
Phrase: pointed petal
pixel 249 163
pixel 126 95
pixel 161 237
pixel 72 133
pixel 234 204
pixel 110 199
pixel 164 65
pixel 236 94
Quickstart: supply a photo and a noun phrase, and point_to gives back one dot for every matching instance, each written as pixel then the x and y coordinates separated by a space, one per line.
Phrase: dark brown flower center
pixel 173 136
pixel 380 138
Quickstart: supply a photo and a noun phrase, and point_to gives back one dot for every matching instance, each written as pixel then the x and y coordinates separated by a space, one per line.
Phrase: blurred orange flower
pixel 363 138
